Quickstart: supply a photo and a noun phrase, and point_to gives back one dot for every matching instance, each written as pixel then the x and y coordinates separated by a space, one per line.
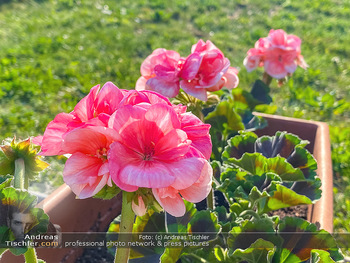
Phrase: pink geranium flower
pixel 136 139
pixel 151 149
pixel 212 67
pixel 205 69
pixel 160 72
pixel 279 53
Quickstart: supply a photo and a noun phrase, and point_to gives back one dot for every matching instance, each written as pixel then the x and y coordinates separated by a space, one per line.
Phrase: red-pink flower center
pixel 148 152
pixel 102 154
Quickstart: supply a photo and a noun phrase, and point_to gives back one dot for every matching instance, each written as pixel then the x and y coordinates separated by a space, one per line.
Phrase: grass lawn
pixel 52 52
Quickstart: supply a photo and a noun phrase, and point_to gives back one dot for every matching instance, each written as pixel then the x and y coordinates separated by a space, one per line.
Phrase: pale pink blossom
pixel 255 55
pixel 86 171
pixel 205 69
pixel 279 54
pixel 160 72
pixel 139 209
pixel 211 69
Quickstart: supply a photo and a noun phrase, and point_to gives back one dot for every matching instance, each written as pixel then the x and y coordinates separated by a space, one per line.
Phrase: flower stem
pixel 30 255
pixel 21 182
pixel 250 213
pixel 267 79
pixel 210 200
pixel 19 174
pixel 126 224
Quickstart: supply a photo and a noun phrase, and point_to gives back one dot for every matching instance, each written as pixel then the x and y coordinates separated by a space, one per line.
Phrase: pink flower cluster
pixel 205 69
pixel 279 54
pixel 135 139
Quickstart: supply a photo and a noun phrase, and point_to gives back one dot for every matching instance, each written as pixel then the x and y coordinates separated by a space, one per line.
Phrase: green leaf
pixel 171 255
pixel 5 181
pixel 108 192
pixel 260 251
pixel 300 237
pixel 257 164
pixel 260 92
pixel 21 199
pixel 238 145
pixel 202 222
pixel 248 232
pixel 281 143
pixel 310 189
pixel 283 197
pixel 179 224
pixel 220 253
pixel 320 256
pixel 225 119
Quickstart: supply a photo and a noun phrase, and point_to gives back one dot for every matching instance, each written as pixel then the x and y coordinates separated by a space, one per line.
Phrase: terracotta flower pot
pixel 93 215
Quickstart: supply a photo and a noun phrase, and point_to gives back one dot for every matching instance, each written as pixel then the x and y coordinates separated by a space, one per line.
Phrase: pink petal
pixel 191 89
pixel 171 146
pixel 199 190
pixel 108 99
pixel 198 133
pixel 168 89
pixel 141 83
pixel 291 67
pixel 37 140
pixel 118 156
pixel 278 37
pixel 147 65
pixel 154 97
pixel 85 141
pixel 191 66
pixel 251 62
pixel 82 170
pixel 275 69
pixel 301 62
pixel 186 171
pixel 84 108
pixel 163 116
pixel 91 190
pixel 140 209
pixel 166 73
pixel 53 136
pixel 150 174
pixel 231 77
pixel 170 200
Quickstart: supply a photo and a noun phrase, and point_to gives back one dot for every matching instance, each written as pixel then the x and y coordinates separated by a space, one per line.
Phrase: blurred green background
pixel 53 51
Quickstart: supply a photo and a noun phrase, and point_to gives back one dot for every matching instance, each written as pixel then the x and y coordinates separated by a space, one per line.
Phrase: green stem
pixel 267 79
pixel 210 200
pixel 19 174
pixel 202 260
pixel 126 225
pixel 21 182
pixel 30 255
pixel 250 213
